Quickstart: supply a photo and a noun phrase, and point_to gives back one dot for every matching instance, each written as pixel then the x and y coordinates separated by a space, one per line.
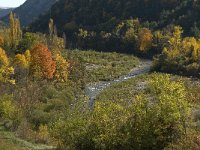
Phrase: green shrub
pixel 9 112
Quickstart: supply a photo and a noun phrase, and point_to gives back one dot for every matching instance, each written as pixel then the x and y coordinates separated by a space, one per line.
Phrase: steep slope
pixel 5 11
pixel 186 15
pixel 102 19
pixel 103 15
pixel 70 15
pixel 31 9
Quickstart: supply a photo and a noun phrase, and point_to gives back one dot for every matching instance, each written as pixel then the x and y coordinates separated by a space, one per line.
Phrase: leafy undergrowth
pixel 103 66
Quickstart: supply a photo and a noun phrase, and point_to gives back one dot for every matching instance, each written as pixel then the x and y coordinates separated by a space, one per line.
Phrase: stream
pixel 92 90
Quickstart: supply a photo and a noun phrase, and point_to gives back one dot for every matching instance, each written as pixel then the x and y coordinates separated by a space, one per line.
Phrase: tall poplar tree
pixel 15 32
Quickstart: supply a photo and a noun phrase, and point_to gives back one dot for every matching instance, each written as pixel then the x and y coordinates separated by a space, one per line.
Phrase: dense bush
pixel 181 55
pixel 151 121
pixel 27 42
pixel 9 112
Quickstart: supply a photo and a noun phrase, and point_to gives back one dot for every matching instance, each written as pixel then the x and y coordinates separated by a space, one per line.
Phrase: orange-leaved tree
pixel 144 41
pixel 42 64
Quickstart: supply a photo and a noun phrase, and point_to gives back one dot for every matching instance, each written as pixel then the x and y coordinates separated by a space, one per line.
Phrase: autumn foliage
pixel 15 33
pixel 42 64
pixel 144 41
pixel 23 60
pixel 5 69
pixel 181 55
pixel 62 68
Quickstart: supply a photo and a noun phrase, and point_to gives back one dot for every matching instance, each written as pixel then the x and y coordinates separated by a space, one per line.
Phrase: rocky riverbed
pixel 92 90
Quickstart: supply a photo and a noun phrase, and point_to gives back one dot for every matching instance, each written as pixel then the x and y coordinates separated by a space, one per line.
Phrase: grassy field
pixel 9 141
pixel 103 66
pixel 8 145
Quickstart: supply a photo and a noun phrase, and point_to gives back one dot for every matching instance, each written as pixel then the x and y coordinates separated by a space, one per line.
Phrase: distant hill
pixel 5 11
pixel 31 10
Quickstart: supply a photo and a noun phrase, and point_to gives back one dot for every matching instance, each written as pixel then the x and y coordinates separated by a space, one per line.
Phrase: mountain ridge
pixel 30 10
pixel 5 11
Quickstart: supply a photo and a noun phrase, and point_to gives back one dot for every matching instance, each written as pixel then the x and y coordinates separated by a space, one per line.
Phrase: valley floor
pixel 132 76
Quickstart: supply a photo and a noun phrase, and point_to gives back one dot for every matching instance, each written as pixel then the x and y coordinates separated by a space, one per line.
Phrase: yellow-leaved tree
pixel 23 60
pixel 5 69
pixel 15 33
pixel 62 68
